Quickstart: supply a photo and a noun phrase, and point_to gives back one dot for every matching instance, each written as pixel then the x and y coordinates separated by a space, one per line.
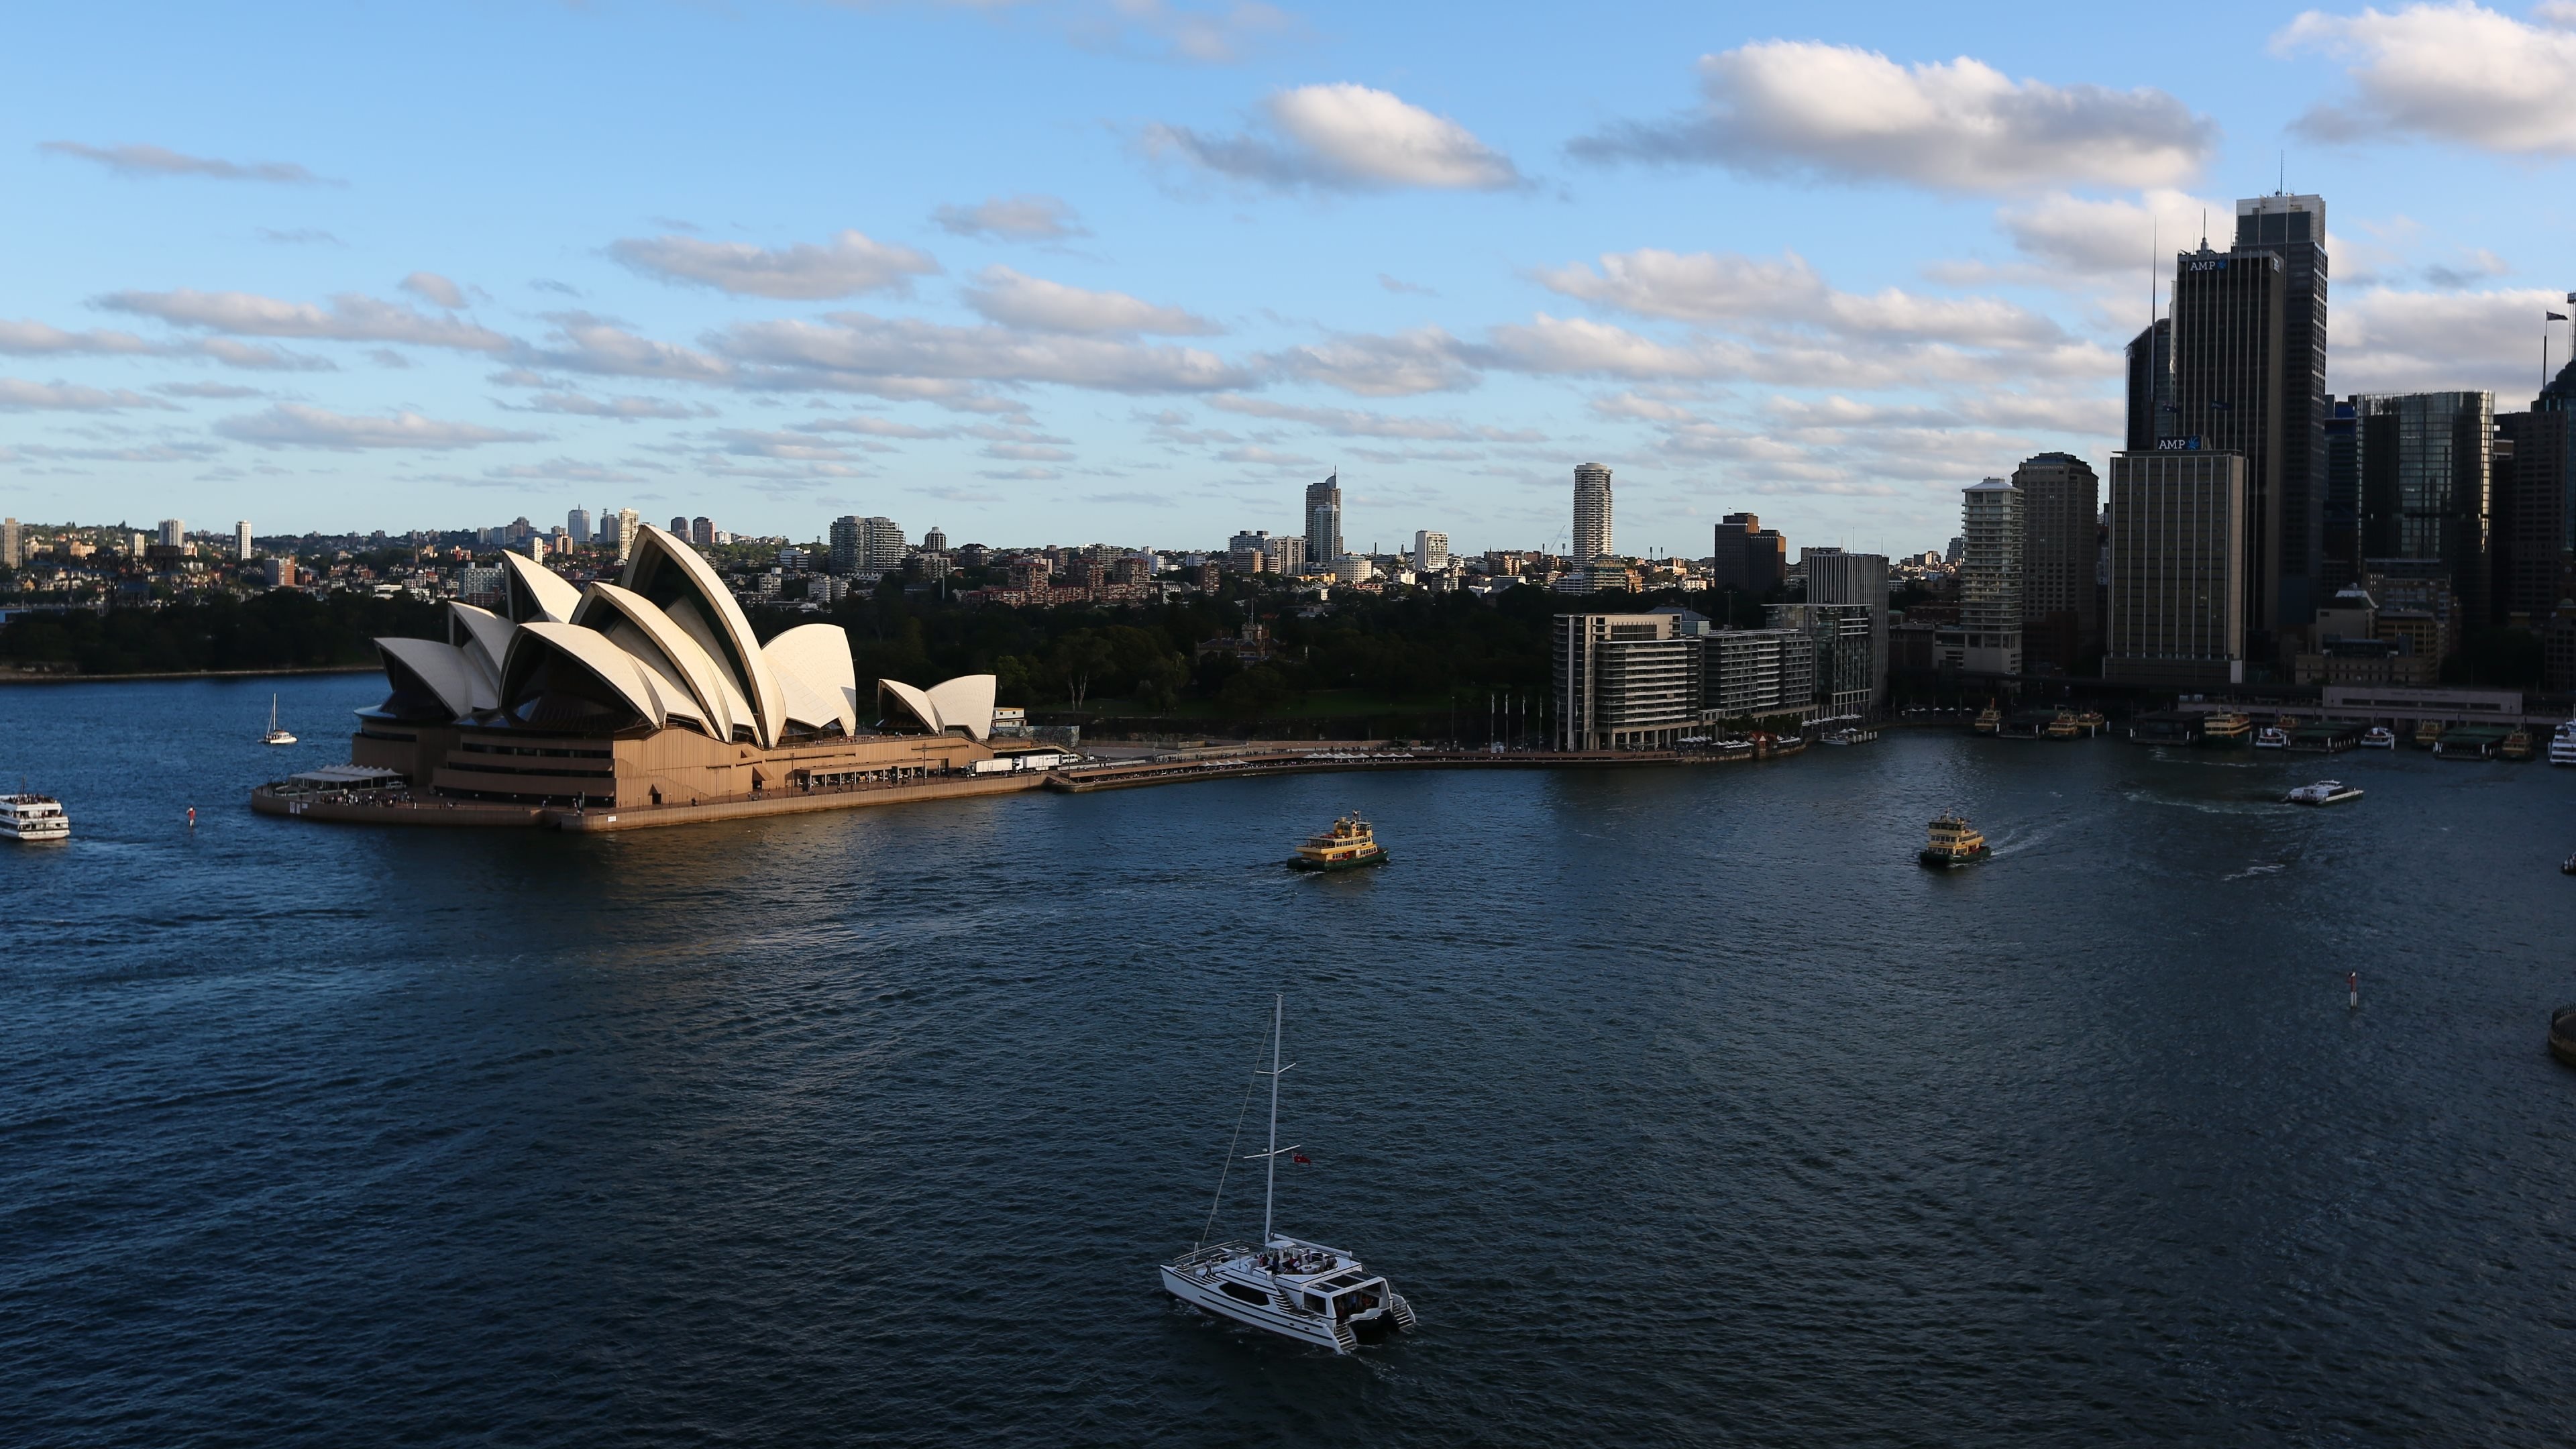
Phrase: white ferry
pixel 34 818
pixel 2271 737
pixel 1291 1287
pixel 2323 792
pixel 2562 745
pixel 1847 737
pixel 2379 737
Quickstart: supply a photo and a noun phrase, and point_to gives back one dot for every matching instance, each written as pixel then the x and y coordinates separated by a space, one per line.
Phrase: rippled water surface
pixel 1683 1105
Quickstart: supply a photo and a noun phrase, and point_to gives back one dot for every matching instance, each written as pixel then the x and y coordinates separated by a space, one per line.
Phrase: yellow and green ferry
pixel 1954 842
pixel 1349 845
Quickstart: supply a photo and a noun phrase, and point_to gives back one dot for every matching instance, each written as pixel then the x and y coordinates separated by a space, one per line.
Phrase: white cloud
pixel 2387 340
pixel 855 348
pixel 436 288
pixel 584 343
pixel 1353 422
pixel 553 470
pixel 872 428
pixel 2457 72
pixel 851 263
pixel 1729 287
pixel 623 409
pixel 2112 238
pixel 1840 112
pixel 1219 34
pixel 294 425
pixel 151 161
pixel 17 395
pixel 207 390
pixel 1012 218
pixel 1346 136
pixel 35 338
pixel 1425 359
pixel 250 356
pixel 1015 300
pixel 351 317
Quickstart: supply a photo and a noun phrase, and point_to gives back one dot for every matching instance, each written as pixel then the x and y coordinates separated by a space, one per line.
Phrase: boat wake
pixel 2260 867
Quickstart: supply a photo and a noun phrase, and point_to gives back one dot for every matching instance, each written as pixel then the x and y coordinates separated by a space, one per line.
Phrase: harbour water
pixel 1683 1105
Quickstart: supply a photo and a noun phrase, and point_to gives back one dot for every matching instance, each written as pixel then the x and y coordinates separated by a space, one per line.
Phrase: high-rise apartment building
pixel 2293 228
pixel 2151 404
pixel 1845 652
pixel 1990 578
pixel 173 532
pixel 241 540
pixel 2177 549
pixel 935 541
pixel 870 547
pixel 2534 513
pixel 1324 520
pixel 1287 554
pixel 679 527
pixel 1592 535
pixel 2339 549
pixel 2426 463
pixel 1430 551
pixel 1624 681
pixel 1757 674
pixel 629 530
pixel 2060 554
pixel 1838 578
pixel 702 532
pixel 13 545
pixel 1747 556
pixel 2228 370
pixel 1256 539
pixel 577 524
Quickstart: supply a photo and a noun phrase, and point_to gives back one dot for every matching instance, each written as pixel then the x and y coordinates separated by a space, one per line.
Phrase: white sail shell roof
pixel 715 703
pixel 965 702
pixel 554 598
pixel 821 687
pixel 445 669
pixel 591 650
pixel 736 650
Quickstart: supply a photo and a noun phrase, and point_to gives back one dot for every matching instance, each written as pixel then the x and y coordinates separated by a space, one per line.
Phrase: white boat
pixel 2562 745
pixel 2324 792
pixel 2379 737
pixel 1306 1291
pixel 34 818
pixel 275 736
pixel 2270 737
pixel 1847 737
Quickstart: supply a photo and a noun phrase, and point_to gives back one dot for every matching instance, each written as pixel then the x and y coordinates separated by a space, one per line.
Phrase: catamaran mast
pixel 1270 1183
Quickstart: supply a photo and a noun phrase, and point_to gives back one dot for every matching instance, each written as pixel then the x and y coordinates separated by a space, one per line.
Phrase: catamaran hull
pixel 1306 1328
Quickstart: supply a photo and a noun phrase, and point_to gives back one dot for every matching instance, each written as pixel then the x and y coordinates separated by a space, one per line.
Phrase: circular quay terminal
pixel 1187 722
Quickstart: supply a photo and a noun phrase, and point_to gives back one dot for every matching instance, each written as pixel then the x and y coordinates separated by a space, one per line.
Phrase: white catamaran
pixel 1301 1290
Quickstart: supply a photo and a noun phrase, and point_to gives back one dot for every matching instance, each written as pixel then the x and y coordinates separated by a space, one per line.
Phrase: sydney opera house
pixel 650 691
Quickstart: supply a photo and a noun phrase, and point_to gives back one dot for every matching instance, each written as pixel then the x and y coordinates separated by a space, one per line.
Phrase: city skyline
pixel 1305 241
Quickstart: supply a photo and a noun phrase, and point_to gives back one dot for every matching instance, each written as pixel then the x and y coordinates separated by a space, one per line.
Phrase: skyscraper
pixel 679 528
pixel 1592 535
pixel 1748 556
pixel 702 532
pixel 2425 470
pixel 13 545
pixel 174 532
pixel 628 526
pixel 2061 509
pixel 1430 551
pixel 241 539
pixel 2227 341
pixel 2339 553
pixel 2293 228
pixel 577 523
pixel 935 541
pixel 1857 580
pixel 2177 546
pixel 1990 577
pixel 2151 385
pixel 1324 519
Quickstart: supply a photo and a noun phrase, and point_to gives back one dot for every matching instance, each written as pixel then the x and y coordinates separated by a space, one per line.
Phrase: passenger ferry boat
pixel 36 819
pixel 1288 1286
pixel 1349 845
pixel 1847 737
pixel 2516 746
pixel 1990 720
pixel 2271 737
pixel 2562 745
pixel 2323 792
pixel 2227 728
pixel 1953 842
pixel 275 736
pixel 2381 737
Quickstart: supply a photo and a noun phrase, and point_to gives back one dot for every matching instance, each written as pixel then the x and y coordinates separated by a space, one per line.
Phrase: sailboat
pixel 275 736
pixel 1306 1291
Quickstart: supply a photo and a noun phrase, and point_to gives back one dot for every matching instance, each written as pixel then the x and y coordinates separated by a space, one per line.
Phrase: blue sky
pixel 1135 271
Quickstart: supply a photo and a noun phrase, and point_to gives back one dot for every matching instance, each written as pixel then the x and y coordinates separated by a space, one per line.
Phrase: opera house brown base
pixel 658 767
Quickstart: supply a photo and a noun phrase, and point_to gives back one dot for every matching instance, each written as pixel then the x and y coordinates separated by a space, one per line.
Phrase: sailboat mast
pixel 1270 1184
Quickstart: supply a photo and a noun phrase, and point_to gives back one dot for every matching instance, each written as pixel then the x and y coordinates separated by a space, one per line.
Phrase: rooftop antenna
pixel 2283 189
pixel 2204 228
